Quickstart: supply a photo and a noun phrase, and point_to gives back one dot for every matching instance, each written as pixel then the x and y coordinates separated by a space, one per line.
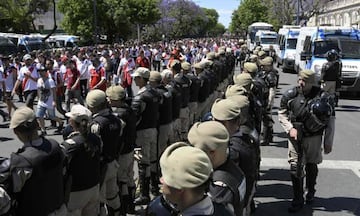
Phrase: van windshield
pixel 268 40
pixel 323 46
pixel 291 43
pixel 350 49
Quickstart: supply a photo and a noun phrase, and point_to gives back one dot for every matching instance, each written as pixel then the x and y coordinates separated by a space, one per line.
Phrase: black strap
pixel 233 184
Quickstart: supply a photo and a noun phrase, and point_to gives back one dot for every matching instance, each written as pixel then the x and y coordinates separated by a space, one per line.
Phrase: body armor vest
pixel 43 192
pixel 184 82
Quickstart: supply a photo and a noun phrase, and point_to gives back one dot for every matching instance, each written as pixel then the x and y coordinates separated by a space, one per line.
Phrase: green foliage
pixel 18 16
pixel 212 18
pixel 142 11
pixel 218 30
pixel 248 12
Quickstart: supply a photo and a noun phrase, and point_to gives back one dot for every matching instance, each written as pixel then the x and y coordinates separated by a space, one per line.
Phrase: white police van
pixel 314 42
pixel 32 42
pixel 265 39
pixel 286 47
pixel 63 41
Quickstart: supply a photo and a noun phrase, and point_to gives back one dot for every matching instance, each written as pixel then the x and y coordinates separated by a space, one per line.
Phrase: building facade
pixel 338 13
pixel 45 22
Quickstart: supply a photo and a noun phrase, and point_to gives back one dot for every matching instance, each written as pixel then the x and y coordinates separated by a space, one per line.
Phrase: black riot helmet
pixel 332 55
pixel 322 109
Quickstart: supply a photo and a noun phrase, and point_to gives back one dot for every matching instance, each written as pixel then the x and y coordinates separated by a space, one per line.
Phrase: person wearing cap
pixel 72 79
pixel 261 55
pixel 243 149
pixel 228 184
pixel 83 64
pixel 175 90
pixel 97 76
pixel 83 155
pixel 204 91
pixel 194 91
pixel 269 76
pixel 108 127
pixel 125 175
pixel 47 103
pixel 27 77
pixel 185 84
pixel 185 194
pixel 146 106
pixel 8 74
pixel 165 128
pixel 43 162
pixel 308 135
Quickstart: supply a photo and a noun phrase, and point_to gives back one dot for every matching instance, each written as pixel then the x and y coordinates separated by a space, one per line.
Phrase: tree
pixel 218 30
pixel 212 18
pixel 18 16
pixel 248 12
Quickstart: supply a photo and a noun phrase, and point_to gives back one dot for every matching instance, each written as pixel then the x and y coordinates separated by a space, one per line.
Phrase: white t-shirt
pixel 29 83
pixel 9 79
pixel 46 96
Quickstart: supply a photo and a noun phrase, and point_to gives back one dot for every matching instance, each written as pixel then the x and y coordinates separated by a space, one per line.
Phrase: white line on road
pixel 326 164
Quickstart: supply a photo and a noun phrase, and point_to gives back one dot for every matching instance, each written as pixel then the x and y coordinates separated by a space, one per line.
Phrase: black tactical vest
pixel 184 82
pixel 175 90
pixel 128 136
pixel 194 87
pixel 165 108
pixel 110 129
pixel 43 192
pixel 204 91
pixel 150 116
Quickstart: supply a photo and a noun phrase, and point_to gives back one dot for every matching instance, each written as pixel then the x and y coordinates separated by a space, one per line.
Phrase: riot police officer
pixel 268 75
pixel 108 127
pixel 204 91
pixel 125 174
pixel 195 168
pixel 164 127
pixel 330 77
pixel 41 190
pixel 194 91
pixel 305 113
pixel 228 184
pixel 146 106
pixel 184 83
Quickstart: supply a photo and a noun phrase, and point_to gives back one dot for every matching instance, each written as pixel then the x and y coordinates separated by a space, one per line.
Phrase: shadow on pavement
pixel 347 108
pixel 4 139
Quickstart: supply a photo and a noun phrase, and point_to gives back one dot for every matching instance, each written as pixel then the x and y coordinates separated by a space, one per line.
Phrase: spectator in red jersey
pixel 142 61
pixel 72 77
pixel 97 76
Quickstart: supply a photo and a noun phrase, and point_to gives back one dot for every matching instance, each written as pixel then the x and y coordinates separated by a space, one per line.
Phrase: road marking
pixel 326 164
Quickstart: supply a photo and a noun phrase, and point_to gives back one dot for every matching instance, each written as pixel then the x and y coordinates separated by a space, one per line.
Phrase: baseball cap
pixel 141 72
pixel 308 76
pixel 250 67
pixel 95 97
pixel 267 61
pixel 22 115
pixel 243 79
pixel 186 66
pixel 234 90
pixel 115 92
pixel 27 57
pixel 184 166
pixel 78 113
pixel 210 55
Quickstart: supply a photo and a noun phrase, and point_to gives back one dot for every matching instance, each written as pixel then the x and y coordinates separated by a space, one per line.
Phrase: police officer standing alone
pixel 108 127
pixel 308 118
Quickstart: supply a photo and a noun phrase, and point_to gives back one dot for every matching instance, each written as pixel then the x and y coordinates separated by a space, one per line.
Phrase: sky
pixel 223 7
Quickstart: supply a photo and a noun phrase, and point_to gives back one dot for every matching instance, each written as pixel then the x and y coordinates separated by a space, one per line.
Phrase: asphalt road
pixel 338 187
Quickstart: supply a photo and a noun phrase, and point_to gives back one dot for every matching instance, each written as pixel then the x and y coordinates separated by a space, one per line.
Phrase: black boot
pixel 266 136
pixel 155 190
pixel 4 115
pixel 311 170
pixel 144 181
pixel 130 200
pixel 298 200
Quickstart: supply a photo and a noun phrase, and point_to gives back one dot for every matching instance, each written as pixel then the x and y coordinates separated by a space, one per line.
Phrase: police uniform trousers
pixel 193 108
pixel 184 118
pixel 329 86
pixel 109 189
pixel 247 208
pixel 272 93
pixel 176 135
pixel 147 140
pixel 201 110
pixel 125 174
pixel 84 203
pixel 163 139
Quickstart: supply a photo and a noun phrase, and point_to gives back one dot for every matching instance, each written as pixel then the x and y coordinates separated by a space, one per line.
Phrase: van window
pixel 268 40
pixel 307 44
pixel 322 47
pixel 291 43
pixel 350 49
